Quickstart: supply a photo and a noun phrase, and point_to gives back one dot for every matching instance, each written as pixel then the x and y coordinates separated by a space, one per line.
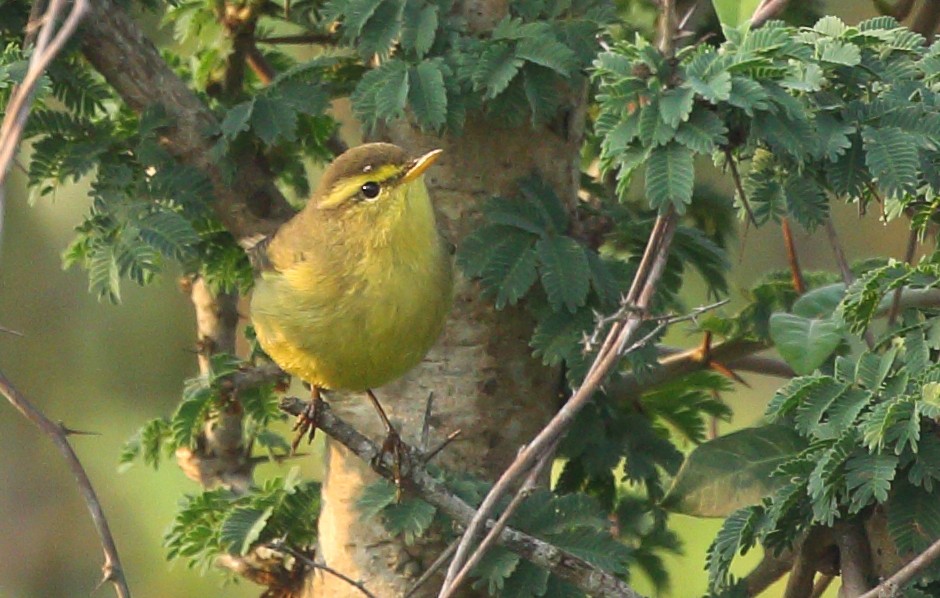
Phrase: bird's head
pixel 374 178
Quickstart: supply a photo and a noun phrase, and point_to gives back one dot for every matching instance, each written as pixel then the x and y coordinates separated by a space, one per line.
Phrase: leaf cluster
pixel 203 398
pixel 220 521
pixel 804 113
pixel 856 430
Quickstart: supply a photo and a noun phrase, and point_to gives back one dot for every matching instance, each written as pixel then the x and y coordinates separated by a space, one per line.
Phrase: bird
pixel 353 290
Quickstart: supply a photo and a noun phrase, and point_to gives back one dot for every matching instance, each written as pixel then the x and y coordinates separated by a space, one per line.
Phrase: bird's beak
pixel 421 164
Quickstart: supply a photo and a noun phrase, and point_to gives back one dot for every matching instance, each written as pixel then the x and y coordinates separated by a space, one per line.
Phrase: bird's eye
pixel 370 189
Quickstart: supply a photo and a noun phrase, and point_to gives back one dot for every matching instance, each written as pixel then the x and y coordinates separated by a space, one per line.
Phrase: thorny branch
pixel 112 568
pixel 417 479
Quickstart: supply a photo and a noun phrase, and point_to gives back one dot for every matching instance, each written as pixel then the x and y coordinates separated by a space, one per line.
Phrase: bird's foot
pixel 396 449
pixel 306 424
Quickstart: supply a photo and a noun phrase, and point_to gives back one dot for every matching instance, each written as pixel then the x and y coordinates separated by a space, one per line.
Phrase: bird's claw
pixel 306 424
pixel 393 446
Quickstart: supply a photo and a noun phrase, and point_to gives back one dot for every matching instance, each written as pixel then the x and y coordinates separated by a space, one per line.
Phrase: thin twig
pixel 282 547
pixel 908 258
pixel 416 478
pixel 891 587
pixel 799 284
pixel 838 253
pixel 438 563
pixel 112 570
pixel 767 10
pixel 739 186
pixel 494 532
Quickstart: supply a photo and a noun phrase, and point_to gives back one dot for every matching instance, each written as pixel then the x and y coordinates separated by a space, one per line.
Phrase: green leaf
pixel 806 201
pixel 838 52
pixel 820 302
pixel 511 270
pixel 868 478
pixel 737 535
pixel 381 30
pixel 103 277
pixel 558 337
pixel 734 13
pixel 804 343
pixel 913 519
pixel 545 50
pixel 732 471
pixel 271 122
pixel 169 233
pixel 565 272
pixel 428 96
pixel 356 14
pixel 390 99
pixel 496 565
pixel 669 177
pixel 892 159
pixel 242 528
pixel 675 105
pixel 419 27
pixel 410 518
pixel 236 120
pixel 597 547
pixel 526 581
pixel 702 132
pixel 541 194
pixel 496 67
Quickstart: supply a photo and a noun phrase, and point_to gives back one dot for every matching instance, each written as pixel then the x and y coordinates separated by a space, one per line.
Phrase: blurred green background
pixel 107 369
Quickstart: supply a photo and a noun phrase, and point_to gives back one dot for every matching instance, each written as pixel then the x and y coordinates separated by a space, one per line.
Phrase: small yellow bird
pixel 354 289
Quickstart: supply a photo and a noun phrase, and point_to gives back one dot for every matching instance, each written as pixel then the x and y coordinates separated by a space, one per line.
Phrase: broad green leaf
pixel 408 518
pixel 868 478
pixel 669 177
pixel 734 13
pixel 381 30
pixel 480 246
pixel 565 273
pixel 804 343
pixel 496 565
pixel 541 194
pixel 526 581
pixel 732 471
pixel 819 303
pixel 104 279
pixel 558 337
pixel 913 518
pixel 168 232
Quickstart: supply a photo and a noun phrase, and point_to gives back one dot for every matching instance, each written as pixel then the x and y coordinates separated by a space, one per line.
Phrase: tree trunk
pixel 484 379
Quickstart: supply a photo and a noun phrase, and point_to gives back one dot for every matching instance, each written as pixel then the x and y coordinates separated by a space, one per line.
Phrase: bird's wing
pixel 257 249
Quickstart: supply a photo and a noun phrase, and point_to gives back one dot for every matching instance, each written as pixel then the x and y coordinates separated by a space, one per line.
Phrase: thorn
pixel 728 372
pixel 70 432
pixel 450 438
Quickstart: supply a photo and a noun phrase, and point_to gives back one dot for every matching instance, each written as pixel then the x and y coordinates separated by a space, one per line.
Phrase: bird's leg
pixel 392 444
pixel 306 424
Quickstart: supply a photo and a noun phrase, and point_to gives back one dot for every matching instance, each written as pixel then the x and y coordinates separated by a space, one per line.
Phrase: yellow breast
pixel 359 311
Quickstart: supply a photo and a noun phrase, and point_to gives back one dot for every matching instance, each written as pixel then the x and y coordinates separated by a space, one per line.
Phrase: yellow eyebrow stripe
pixel 349 187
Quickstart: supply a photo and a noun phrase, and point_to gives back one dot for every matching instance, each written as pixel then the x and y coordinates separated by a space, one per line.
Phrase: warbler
pixel 353 290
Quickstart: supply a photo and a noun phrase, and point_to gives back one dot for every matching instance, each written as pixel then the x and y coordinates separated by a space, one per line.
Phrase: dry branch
pixel 416 479
pixel 112 569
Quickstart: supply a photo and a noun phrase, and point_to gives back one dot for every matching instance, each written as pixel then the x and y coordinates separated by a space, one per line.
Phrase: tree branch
pixel 113 43
pixel 112 568
pixel 854 558
pixel 926 20
pixel 892 586
pixel 416 479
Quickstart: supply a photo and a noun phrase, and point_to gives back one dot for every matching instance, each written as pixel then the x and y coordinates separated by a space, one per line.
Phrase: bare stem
pixel 909 258
pixel 112 569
